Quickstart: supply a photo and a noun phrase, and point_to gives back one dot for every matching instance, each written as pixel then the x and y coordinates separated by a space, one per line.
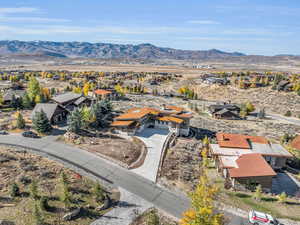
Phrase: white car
pixel 260 218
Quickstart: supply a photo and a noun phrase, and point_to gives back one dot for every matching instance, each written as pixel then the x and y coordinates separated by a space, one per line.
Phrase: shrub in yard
pixel 282 197
pixel 66 196
pixel 24 180
pixel 258 193
pixel 34 190
pixel 14 190
pixel 37 215
pixel 152 218
pixel 98 192
pixel 44 203
pixel 288 113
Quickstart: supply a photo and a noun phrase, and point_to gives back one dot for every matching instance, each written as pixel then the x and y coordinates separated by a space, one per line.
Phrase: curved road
pixel 173 203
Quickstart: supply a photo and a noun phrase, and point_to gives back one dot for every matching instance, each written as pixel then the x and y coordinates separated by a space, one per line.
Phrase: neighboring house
pixel 173 118
pixel 296 143
pixel 102 94
pixel 71 100
pixel 55 113
pixel 66 98
pixel 237 158
pixel 8 95
pixel 215 80
pixel 225 111
pixel 284 85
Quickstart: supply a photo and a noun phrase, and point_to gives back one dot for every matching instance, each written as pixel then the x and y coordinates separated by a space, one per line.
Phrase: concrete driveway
pixel 154 139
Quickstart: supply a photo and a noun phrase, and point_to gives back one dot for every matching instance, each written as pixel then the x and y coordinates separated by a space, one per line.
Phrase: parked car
pixel 260 218
pixel 3 132
pixel 30 134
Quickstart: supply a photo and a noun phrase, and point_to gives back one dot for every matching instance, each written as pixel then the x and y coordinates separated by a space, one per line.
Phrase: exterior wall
pixel 276 162
pixel 265 182
pixel 280 162
pixel 161 124
pixel 184 132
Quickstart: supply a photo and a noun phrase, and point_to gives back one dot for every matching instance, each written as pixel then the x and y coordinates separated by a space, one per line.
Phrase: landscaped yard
pixel 268 204
pixel 25 169
pixel 245 201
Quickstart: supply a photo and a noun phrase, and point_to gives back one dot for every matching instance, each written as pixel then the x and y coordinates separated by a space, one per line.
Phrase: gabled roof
pixel 296 143
pixel 183 115
pixel 122 123
pixel 17 93
pixel 137 113
pixel 80 100
pixel 229 107
pixel 251 165
pixel 102 92
pixel 174 108
pixel 48 108
pixel 226 140
pixel 66 97
pixel 170 119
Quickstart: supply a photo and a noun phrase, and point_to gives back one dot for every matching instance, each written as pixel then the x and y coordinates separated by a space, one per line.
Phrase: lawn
pixel 268 204
pixel 244 200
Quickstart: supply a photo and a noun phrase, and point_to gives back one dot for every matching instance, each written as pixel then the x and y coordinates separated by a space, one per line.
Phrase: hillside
pixel 106 50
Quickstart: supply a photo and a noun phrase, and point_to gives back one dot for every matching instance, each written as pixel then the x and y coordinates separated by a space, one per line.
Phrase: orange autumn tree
pixel 203 211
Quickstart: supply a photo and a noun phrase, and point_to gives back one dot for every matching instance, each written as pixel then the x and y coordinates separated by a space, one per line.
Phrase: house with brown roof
pixel 245 159
pixel 295 144
pixel 173 118
pixel 103 94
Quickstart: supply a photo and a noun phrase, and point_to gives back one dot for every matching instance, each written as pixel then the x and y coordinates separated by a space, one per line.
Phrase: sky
pixel 265 27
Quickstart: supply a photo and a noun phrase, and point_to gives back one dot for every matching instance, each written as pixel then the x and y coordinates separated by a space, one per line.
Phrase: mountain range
pixel 106 51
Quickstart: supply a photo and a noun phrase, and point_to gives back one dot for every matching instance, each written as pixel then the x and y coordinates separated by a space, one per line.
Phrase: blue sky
pixel 251 26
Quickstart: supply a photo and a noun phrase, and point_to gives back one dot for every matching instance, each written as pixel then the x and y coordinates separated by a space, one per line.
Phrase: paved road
pixel 288 119
pixel 173 203
pixel 117 176
pixel 154 139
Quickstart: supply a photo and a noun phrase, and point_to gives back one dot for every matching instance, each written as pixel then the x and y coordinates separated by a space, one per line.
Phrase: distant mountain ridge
pixel 107 50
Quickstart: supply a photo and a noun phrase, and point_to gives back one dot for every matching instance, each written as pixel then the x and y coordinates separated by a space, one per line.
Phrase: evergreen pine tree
pixel 20 121
pixel 34 190
pixel 98 192
pixel 41 122
pixel 37 215
pixel 44 203
pixel 26 102
pixel 75 121
pixel 14 190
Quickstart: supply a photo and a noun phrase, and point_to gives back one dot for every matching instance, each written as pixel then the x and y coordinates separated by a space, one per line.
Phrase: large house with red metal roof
pixel 245 159
pixel 173 118
pixel 295 144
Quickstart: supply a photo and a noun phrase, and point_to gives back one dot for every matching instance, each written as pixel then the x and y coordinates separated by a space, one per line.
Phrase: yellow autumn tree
pixel 203 211
pixel 183 90
pixel 77 90
pixel 86 89
pixel 46 93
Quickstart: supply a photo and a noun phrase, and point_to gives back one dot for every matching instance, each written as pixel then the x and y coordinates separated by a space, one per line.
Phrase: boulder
pixel 72 215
